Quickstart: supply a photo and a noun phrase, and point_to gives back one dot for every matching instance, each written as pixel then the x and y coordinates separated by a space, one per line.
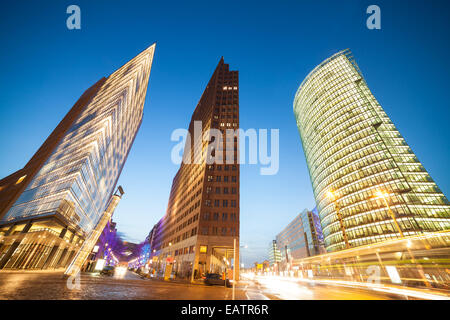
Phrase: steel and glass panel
pixel 353 149
pixel 78 178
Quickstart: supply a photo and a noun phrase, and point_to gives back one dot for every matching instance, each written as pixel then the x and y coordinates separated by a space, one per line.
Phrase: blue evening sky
pixel 274 44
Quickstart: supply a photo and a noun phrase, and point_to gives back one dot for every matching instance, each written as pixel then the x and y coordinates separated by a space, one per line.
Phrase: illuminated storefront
pixel 368 184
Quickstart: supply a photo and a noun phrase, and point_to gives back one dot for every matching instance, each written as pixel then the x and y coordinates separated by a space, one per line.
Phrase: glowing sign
pixel 393 274
pixel 100 264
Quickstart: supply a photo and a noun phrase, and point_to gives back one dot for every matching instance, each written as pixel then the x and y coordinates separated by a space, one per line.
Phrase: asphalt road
pixel 51 285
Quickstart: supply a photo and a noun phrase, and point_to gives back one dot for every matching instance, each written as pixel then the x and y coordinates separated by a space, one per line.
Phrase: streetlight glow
pixel 330 195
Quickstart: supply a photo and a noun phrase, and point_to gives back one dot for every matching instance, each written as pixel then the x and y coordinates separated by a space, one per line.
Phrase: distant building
pixel 104 247
pixel 292 243
pixel 312 232
pixel 274 253
pixel 301 238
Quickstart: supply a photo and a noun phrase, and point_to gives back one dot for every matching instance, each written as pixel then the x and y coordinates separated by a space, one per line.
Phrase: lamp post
pixel 384 195
pixel 332 196
pixel 240 254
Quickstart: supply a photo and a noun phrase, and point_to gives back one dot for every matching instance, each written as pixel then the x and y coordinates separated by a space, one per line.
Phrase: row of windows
pixel 208 203
pixel 214 231
pixel 207 216
pixel 219 179
pixel 219 190
pixel 218 167
pixel 186 235
pixel 186 250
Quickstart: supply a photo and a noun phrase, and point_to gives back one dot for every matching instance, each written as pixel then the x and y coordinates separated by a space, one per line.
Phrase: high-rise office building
pixel 301 238
pixel 292 243
pixel 48 208
pixel 274 254
pixel 313 232
pixel 368 184
pixel 202 220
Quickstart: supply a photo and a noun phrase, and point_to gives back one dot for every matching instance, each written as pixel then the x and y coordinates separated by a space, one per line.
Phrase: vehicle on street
pixel 108 271
pixel 216 279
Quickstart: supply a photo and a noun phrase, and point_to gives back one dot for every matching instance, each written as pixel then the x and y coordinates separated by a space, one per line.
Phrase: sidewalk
pixel 183 281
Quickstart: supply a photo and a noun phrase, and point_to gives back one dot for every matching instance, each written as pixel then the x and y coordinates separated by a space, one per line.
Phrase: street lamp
pixel 240 254
pixel 384 195
pixel 332 196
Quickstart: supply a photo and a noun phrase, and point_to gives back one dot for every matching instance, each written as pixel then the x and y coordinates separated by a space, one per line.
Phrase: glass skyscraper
pixel 54 202
pixel 368 184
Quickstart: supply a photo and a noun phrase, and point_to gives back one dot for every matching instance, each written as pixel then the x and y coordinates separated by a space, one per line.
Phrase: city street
pixel 51 285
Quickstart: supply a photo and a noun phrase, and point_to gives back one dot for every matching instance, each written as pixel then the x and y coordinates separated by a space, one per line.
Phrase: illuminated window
pixel 203 249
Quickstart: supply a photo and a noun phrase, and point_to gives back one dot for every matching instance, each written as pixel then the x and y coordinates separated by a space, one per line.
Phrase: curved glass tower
pixel 368 184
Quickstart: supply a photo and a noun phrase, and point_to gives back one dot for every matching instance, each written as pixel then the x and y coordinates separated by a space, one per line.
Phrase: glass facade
pixel 292 241
pixel 354 151
pixel 69 182
pixel 79 177
pixel 273 253
pixel 313 232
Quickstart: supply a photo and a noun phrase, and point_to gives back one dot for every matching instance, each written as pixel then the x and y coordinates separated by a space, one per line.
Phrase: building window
pixel 224 216
pixel 216 203
pixel 225 203
pixel 216 216
pixel 233 203
pixel 233 190
pixel 233 178
pixel 225 190
pixel 218 190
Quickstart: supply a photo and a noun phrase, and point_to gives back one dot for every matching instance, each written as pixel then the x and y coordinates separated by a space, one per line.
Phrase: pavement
pixel 50 285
